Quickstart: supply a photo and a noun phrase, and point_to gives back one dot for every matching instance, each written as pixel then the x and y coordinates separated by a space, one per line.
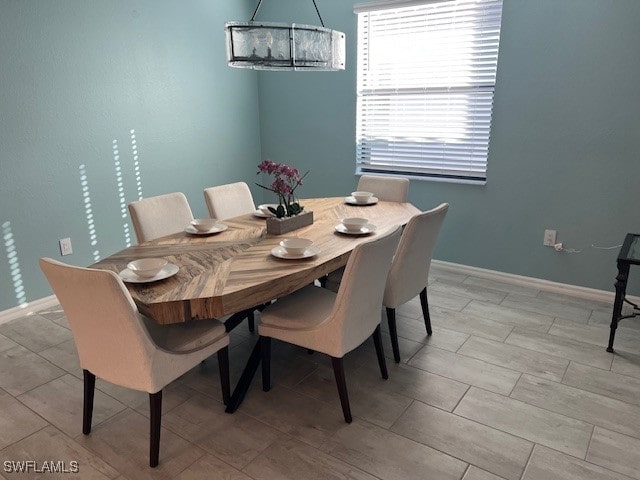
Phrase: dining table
pixel 233 272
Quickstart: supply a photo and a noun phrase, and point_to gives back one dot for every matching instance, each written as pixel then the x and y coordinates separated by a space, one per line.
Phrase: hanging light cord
pixel 318 12
pixel 255 12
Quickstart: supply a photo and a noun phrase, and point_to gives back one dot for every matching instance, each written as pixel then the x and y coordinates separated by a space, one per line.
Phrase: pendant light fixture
pixel 280 46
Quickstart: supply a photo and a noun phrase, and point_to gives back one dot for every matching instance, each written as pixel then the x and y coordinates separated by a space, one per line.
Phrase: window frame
pixel 455 156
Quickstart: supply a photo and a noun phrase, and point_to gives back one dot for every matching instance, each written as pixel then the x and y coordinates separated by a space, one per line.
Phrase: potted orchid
pixel 286 180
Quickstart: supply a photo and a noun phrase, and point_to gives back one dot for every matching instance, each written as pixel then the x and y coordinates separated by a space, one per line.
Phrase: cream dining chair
pixel 227 201
pixel 330 323
pixel 409 271
pixel 118 344
pixel 156 217
pixel 387 189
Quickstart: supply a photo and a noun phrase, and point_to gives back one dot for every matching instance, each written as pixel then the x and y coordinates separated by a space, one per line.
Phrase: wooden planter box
pixel 278 226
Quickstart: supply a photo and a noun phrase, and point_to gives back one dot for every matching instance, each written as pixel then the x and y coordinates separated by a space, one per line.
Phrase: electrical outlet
pixel 549 238
pixel 65 246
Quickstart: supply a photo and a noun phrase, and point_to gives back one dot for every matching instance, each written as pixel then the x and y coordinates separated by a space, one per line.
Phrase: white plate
pixel 353 201
pixel 261 214
pixel 167 271
pixel 282 253
pixel 221 227
pixel 368 228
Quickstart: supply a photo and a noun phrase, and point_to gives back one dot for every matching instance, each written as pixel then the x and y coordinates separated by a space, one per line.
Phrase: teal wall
pixel 565 146
pixel 75 75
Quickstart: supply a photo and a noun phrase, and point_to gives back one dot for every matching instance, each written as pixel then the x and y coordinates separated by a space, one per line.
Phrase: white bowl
pixel 362 197
pixel 354 224
pixel 204 224
pixel 296 246
pixel 265 208
pixel 147 267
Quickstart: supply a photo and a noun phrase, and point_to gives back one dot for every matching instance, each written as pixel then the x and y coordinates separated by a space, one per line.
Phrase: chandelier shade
pixel 282 46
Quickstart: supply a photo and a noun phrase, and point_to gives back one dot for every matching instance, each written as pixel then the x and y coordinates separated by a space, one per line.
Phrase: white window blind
pixel 426 77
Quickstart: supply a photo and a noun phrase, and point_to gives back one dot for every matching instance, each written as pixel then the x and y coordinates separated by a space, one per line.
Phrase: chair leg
pixel 252 322
pixel 265 350
pixel 155 409
pixel 338 371
pixel 223 366
pixel 393 333
pixel 87 409
pixel 382 363
pixel 425 310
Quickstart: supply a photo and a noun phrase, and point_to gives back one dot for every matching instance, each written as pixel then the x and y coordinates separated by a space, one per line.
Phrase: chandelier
pixel 280 46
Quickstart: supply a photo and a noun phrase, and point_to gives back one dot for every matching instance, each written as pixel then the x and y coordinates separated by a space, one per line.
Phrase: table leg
pixel 233 321
pixel 245 379
pixel 621 286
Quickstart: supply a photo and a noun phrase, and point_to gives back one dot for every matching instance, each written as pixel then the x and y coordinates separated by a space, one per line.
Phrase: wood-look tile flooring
pixel 515 383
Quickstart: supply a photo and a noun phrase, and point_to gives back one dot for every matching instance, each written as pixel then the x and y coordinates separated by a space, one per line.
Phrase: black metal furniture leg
pixel 393 333
pixel 265 348
pixel 87 409
pixel 612 335
pixel 223 367
pixel 425 310
pixel 233 321
pixel 621 286
pixel 338 371
pixel 382 363
pixel 155 410
pixel 245 380
pixel 251 318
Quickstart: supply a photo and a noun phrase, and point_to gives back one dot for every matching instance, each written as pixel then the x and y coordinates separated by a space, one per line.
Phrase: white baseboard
pixel 27 308
pixel 536 283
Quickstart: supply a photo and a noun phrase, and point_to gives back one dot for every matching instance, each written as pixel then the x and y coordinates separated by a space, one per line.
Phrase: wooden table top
pixel 234 270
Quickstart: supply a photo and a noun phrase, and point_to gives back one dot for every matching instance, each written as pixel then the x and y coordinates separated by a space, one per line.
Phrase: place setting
pixel 361 198
pixel 205 226
pixel 295 249
pixel 355 226
pixel 146 270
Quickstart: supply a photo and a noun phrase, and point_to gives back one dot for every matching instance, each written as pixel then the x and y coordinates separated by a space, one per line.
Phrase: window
pixel 426 77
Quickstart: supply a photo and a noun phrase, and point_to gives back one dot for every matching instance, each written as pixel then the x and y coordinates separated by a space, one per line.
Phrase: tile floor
pixel 514 384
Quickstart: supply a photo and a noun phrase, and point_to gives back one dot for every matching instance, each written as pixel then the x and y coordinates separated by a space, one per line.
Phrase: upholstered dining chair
pixel 156 217
pixel 330 323
pixel 231 200
pixel 118 344
pixel 409 271
pixel 387 189
pixel 227 201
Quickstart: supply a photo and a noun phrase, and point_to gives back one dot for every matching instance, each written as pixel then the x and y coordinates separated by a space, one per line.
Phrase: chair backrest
pixel 356 311
pixel 387 189
pixel 156 217
pixel 227 201
pixel 409 272
pixel 112 340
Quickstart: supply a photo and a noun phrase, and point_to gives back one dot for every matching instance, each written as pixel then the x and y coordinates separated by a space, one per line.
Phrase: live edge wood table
pixel 233 272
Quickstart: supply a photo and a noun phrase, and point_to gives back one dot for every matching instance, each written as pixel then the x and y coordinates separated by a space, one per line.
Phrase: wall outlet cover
pixel 65 246
pixel 549 238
